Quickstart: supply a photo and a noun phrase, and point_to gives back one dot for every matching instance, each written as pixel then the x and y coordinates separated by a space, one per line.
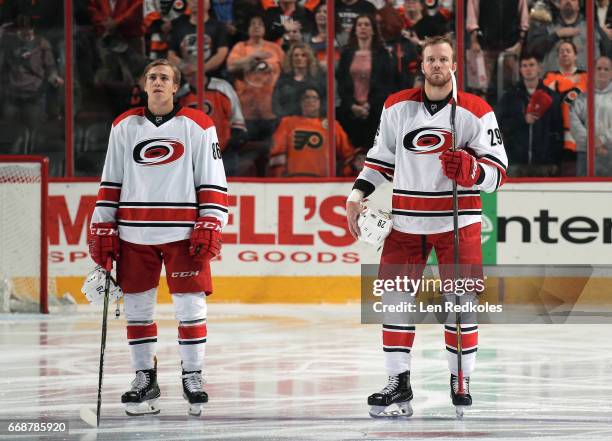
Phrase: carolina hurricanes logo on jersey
pixel 303 138
pixel 428 140
pixel 158 151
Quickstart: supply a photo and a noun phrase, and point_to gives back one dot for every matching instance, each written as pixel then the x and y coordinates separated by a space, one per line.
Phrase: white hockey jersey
pixel 407 149
pixel 160 174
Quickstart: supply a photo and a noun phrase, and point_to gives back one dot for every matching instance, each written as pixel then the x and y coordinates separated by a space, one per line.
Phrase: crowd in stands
pixel 266 70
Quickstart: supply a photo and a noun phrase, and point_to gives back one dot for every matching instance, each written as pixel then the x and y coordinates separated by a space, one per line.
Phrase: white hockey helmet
pixel 375 226
pixel 94 284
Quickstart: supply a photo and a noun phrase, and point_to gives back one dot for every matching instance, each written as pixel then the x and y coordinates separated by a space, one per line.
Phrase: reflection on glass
pixel 109 57
pixel 603 122
pixel 32 93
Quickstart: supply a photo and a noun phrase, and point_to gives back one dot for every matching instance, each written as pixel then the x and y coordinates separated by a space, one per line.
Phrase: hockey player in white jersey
pixel 162 199
pixel 412 150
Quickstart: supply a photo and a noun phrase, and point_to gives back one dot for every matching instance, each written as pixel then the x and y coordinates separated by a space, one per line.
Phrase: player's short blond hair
pixel 439 39
pixel 164 62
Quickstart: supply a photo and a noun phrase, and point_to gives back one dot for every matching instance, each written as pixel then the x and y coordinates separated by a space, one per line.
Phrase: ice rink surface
pixel 303 372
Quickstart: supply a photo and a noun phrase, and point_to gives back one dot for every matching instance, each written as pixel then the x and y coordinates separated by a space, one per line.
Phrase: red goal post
pixel 24 183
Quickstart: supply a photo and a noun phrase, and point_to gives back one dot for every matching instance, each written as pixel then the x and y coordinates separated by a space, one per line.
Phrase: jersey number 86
pixel 216 151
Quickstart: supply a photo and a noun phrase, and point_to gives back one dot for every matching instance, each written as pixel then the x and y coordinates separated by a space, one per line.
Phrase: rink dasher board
pixel 291 237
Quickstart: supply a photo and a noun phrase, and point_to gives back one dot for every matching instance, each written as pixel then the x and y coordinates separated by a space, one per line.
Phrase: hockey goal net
pixel 23 234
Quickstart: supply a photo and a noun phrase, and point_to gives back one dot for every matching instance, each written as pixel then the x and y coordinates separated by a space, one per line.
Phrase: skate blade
pixel 150 407
pixel 396 410
pixel 89 416
pixel 196 409
pixel 459 411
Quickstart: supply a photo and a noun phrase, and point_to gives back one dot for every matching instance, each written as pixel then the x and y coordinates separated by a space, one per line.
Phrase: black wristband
pixel 366 187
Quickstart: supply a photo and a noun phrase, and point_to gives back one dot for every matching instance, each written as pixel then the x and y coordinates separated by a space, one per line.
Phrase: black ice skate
pixel 142 398
pixel 193 391
pixel 460 401
pixel 397 393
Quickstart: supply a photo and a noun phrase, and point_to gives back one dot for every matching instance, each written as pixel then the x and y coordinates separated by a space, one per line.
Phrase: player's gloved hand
pixel 103 242
pixel 206 238
pixel 461 167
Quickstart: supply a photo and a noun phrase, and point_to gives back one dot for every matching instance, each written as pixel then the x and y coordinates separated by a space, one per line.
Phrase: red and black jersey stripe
pixel 499 166
pixel 385 168
pixel 212 197
pixel 157 214
pixel 435 203
pixel 108 194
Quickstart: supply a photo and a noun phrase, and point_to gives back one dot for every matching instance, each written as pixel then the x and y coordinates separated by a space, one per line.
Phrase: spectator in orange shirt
pixel 569 82
pixel 300 145
pixel 256 66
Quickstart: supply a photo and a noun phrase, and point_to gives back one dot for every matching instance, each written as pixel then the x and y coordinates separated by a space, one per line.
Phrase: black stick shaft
pixel 103 340
pixel 456 247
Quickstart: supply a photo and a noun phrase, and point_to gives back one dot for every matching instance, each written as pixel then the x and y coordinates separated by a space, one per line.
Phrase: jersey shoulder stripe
pixel 404 95
pixel 197 116
pixel 473 104
pixel 136 111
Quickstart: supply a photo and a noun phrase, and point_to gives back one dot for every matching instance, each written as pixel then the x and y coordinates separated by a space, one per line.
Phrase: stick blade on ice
pixel 89 416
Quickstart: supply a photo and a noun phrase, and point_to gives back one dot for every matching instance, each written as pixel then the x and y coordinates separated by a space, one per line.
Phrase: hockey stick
pixel 86 413
pixel 530 151
pixel 460 390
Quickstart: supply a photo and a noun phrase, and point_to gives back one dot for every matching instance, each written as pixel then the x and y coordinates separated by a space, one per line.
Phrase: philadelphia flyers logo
pixel 158 151
pixel 428 140
pixel 207 108
pixel 179 6
pixel 303 138
pixel 571 95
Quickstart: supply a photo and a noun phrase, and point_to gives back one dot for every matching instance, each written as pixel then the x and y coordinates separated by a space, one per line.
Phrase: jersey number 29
pixel 496 138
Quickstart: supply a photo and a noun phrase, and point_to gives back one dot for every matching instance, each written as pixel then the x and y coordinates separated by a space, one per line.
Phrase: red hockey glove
pixel 103 242
pixel 461 167
pixel 206 238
